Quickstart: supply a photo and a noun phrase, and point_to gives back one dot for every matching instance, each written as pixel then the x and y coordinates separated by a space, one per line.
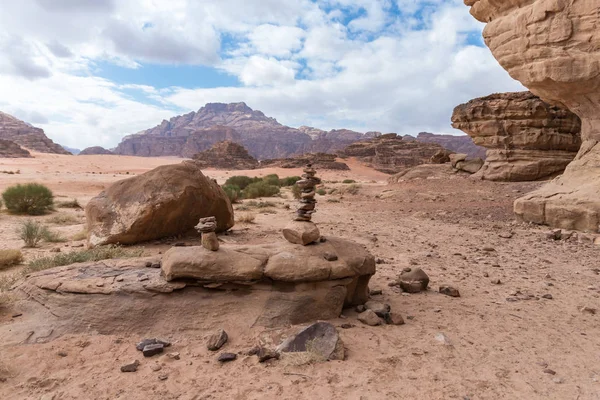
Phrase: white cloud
pixel 275 40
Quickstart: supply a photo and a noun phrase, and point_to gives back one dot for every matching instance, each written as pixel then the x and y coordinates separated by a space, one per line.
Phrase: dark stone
pixel 413 281
pixel 376 292
pixel 321 338
pixel 217 340
pixel 267 354
pixel 547 296
pixel 131 367
pixel 62 353
pixel 449 291
pixel 140 346
pixel 226 357
pixel 153 349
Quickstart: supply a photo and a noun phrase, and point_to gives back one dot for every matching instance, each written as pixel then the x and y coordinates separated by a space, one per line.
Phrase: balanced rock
pixel 527 138
pixel 301 232
pixel 549 46
pixel 164 202
pixel 321 339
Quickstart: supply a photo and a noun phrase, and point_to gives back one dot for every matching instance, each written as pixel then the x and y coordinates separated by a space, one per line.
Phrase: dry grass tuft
pixel 10 257
pixel 80 235
pixel 63 219
pixel 246 218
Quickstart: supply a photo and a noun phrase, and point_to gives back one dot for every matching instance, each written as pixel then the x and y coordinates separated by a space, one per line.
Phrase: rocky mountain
pixel 390 153
pixel 459 143
pixel 9 149
pixel 226 155
pixel 94 150
pixel 27 136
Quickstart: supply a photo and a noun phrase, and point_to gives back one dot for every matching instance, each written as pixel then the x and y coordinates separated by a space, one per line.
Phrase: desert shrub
pixel 333 200
pixel 351 189
pixel 95 254
pixel 321 192
pixel 69 204
pixel 260 189
pixel 31 198
pixel 10 257
pixel 296 192
pixel 271 179
pixel 63 219
pixel 31 233
pixel 348 181
pixel 82 235
pixel 246 218
pixel 52 236
pixel 233 192
pixel 260 204
pixel 289 181
pixel 243 207
pixel 241 181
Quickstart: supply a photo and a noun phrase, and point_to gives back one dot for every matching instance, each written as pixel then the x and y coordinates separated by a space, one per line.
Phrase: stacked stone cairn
pixel 302 230
pixel 207 227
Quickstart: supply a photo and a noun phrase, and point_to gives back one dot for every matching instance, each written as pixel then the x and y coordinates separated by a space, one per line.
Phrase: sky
pixel 91 72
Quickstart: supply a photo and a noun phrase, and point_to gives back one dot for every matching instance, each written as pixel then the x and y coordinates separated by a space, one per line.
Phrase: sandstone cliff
pixel 389 153
pixel 553 48
pixel 527 139
pixel 27 136
pixel 226 155
pixel 9 149
pixel 319 161
pixel 94 150
pixel 458 144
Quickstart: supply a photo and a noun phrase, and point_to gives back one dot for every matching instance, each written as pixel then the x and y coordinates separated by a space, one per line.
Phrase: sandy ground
pixel 506 341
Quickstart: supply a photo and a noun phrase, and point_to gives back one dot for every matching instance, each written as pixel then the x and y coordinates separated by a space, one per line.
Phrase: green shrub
pixel 289 181
pixel 31 233
pixel 52 236
pixel 233 192
pixel 10 257
pixel 348 181
pixel 321 192
pixel 31 198
pixel 241 181
pixel 260 189
pixel 271 179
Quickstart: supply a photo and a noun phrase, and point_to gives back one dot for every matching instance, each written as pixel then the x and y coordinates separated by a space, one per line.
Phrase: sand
pixel 500 349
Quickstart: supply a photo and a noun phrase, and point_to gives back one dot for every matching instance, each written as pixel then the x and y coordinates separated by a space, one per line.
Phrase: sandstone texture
pixel 527 139
pixel 9 149
pixel 94 150
pixel 390 153
pixel 226 155
pixel 454 143
pixel 166 201
pixel 317 160
pixel 27 136
pixel 553 48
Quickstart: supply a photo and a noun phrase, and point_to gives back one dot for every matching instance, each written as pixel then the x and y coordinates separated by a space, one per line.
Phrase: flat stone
pixel 131 367
pixel 226 357
pixel 217 340
pixel 449 291
pixel 320 338
pixel 547 296
pixel 370 318
pixel 153 349
pixel 140 346
pixel 301 232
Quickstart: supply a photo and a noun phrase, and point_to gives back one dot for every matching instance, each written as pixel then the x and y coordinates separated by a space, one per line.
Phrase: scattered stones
pixel 153 349
pixel 449 291
pixel 226 357
pixel 217 340
pixel 320 338
pixel 413 281
pixel 378 308
pixel 370 318
pixel 265 354
pixel 393 318
pixel 140 346
pixel 131 367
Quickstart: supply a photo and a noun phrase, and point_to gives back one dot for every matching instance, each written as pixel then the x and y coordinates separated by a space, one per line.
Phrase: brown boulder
pixel 551 47
pixel 527 138
pixel 301 232
pixel 167 201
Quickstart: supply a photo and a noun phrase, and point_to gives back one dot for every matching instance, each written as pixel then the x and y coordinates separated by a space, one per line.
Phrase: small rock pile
pixel 207 226
pixel 374 313
pixel 150 347
pixel 307 201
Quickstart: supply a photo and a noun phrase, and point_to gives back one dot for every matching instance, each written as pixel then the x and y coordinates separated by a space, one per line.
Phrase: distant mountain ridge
pixel 26 135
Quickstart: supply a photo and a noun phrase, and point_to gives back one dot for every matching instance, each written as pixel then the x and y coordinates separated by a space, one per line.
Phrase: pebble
pixel 496 281
pixel 217 340
pixel 131 367
pixel 376 292
pixel 17 315
pixel 62 353
pixel 226 357
pixel 443 339
pixel 588 310
pixel 265 354
pixel 163 377
pixel 155 367
pixel 330 256
pixel 394 318
pixel 369 318
pixel 549 371
pixel 173 356
pixel 488 249
pixel 346 326
pixel 547 296
pixel 449 291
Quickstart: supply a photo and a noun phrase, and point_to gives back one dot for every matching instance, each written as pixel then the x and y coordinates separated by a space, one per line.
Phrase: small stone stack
pixel 207 226
pixel 307 201
pixel 302 230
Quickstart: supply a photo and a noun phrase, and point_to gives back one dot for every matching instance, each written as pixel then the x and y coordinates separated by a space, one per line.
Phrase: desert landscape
pixel 222 254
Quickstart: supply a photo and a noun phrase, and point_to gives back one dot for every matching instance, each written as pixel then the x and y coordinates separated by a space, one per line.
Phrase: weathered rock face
pixel 318 161
pixel 458 144
pixel 390 153
pixel 27 136
pixel 9 149
pixel 226 155
pixel 527 138
pixel 95 150
pixel 166 201
pixel 553 48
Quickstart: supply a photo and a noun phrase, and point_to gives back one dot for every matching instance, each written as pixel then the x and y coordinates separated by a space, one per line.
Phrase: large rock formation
pixel 318 161
pixel 458 144
pixel 27 136
pixel 527 138
pixel 167 201
pixel 226 155
pixel 553 48
pixel 95 150
pixel 9 149
pixel 390 153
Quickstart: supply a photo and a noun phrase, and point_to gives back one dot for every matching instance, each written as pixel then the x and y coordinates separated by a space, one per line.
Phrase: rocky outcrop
pixel 166 201
pixel 553 48
pixel 95 150
pixel 226 155
pixel 27 136
pixel 9 149
pixel 390 153
pixel 527 139
pixel 318 161
pixel 458 144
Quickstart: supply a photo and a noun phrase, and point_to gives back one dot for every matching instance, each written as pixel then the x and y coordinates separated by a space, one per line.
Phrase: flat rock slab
pixel 321 339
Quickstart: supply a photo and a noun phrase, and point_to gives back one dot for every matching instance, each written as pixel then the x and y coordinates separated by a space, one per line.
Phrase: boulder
pixel 456 158
pixel 413 281
pixel 470 166
pixel 301 232
pixel 527 138
pixel 166 201
pixel 441 157
pixel 321 339
pixel 549 46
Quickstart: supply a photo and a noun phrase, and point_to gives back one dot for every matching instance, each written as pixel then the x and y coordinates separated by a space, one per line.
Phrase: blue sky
pixel 90 73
